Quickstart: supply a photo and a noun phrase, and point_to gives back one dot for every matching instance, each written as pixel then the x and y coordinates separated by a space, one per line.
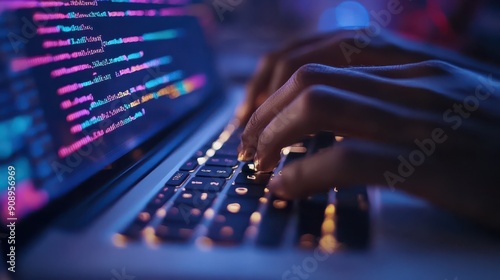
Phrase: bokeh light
pixel 347 14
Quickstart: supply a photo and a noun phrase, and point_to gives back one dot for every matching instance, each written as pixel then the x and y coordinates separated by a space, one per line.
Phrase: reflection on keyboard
pixel 216 200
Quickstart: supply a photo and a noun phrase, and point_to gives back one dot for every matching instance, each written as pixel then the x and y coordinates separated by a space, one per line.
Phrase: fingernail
pixel 244 156
pixel 256 164
pixel 241 156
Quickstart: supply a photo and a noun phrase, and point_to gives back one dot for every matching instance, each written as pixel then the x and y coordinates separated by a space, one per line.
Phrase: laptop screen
pixel 84 82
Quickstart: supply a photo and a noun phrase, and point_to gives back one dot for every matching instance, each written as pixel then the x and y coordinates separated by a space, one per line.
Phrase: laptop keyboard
pixel 213 199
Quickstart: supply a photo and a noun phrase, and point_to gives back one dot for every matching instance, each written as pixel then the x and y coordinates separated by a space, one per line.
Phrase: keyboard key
pixel 229 149
pixel 183 214
pixel 246 191
pixel 222 161
pixel 197 199
pixel 353 218
pixel 322 141
pixel 293 156
pixel 311 216
pixel 253 179
pixel 189 166
pixel 205 184
pixel 249 168
pixel 174 232
pixel 229 228
pixel 235 139
pixel 233 153
pixel 215 172
pixel 201 151
pixel 145 217
pixel 177 179
pixel 134 230
pixel 237 205
pixel 274 222
pixel 160 199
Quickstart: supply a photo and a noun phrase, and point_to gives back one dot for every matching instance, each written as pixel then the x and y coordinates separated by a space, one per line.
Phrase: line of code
pixel 84 108
pixel 75 48
pixel 92 79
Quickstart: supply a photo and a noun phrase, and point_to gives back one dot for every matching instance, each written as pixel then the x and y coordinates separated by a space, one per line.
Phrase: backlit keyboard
pixel 213 199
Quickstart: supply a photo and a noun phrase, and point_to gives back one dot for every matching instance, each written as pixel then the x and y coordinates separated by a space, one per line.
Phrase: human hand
pixel 429 128
pixel 342 48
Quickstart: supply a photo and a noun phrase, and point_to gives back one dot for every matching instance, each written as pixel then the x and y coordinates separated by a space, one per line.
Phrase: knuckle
pixel 288 115
pixel 311 107
pixel 254 121
pixel 244 137
pixel 436 64
pixel 313 97
pixel 250 128
pixel 248 138
pixel 264 139
pixel 307 73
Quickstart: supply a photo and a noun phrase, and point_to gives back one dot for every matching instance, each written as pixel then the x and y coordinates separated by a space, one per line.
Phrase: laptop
pixel 119 152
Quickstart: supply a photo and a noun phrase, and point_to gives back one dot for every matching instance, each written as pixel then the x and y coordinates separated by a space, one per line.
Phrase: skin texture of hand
pixel 430 128
pixel 275 68
pixel 342 48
